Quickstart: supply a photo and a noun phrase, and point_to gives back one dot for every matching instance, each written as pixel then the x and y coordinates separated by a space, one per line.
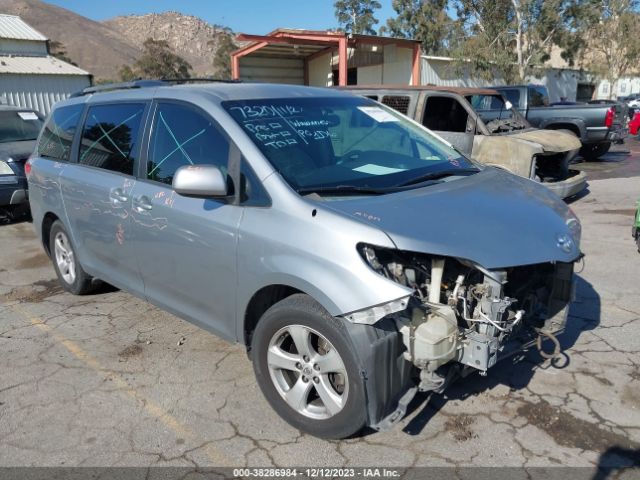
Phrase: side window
pixel 537 97
pixel 397 102
pixel 444 114
pixel 110 135
pixel 57 136
pixel 252 193
pixel 182 135
pixel 513 96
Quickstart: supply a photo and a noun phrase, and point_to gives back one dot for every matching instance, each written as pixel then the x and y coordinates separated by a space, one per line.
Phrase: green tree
pixel 59 50
pixel 157 61
pixel 512 36
pixel 224 45
pixel 606 36
pixel 126 73
pixel 357 16
pixel 424 20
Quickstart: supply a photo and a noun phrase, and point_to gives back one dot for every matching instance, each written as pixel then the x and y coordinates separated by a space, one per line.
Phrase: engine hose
pixel 556 348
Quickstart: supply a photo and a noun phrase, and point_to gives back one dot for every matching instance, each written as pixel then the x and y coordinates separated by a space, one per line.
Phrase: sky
pixel 246 16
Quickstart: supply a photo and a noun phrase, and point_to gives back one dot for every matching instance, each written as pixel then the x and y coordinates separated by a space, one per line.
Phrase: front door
pixel 97 192
pixel 186 247
pixel 447 117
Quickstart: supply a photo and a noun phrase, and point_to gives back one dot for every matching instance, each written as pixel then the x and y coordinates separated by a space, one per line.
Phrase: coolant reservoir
pixel 434 339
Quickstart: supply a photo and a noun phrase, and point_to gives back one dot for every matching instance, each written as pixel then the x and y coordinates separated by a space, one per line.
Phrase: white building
pixel 623 87
pixel 29 76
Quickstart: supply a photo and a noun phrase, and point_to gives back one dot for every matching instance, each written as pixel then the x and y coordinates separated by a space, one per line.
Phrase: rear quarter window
pixel 397 102
pixel 110 136
pixel 538 97
pixel 57 135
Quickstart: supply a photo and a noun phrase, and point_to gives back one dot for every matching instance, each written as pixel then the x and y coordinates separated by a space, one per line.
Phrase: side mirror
pixel 202 181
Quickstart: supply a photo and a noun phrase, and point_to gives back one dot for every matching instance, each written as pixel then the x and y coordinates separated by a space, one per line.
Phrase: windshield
pixel 498 114
pixel 319 144
pixel 16 126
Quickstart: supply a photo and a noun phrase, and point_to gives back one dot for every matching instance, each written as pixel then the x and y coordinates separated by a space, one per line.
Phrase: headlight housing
pixel 575 228
pixel 5 169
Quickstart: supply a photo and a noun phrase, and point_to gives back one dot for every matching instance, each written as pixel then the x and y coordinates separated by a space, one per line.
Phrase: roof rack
pixel 109 87
pixel 180 81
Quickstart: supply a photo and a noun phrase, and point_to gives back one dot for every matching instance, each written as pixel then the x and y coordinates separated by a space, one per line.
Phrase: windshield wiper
pixel 440 174
pixel 342 190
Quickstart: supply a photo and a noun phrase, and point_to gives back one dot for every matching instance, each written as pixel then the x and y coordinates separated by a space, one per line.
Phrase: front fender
pixel 507 152
pixel 314 254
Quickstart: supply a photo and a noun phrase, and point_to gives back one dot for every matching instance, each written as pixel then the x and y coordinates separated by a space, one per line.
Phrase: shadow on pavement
pixel 10 216
pixel 615 460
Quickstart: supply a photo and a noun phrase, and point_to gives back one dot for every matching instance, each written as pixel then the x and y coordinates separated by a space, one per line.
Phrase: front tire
pixel 65 262
pixel 307 369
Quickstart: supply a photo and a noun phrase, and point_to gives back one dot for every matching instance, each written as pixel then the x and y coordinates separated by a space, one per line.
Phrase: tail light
pixel 608 118
pixel 27 166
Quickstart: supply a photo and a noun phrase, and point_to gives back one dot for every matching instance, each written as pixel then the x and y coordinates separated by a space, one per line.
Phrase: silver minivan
pixel 359 257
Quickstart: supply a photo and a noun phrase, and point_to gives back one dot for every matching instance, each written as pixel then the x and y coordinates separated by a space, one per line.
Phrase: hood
pixel 551 141
pixel 18 151
pixel 492 218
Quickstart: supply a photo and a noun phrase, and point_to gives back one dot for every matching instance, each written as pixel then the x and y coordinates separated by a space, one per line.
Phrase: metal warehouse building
pixel 29 76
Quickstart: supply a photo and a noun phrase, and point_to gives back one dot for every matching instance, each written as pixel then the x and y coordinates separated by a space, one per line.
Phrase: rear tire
pixel 65 262
pixel 298 347
pixel 594 151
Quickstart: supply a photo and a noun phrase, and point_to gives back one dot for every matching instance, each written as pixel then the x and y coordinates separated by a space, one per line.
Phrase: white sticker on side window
pixel 378 114
pixel 372 169
pixel 28 115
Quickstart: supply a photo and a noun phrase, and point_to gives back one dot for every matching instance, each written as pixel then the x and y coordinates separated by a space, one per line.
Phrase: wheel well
pixel 47 221
pixel 565 126
pixel 261 301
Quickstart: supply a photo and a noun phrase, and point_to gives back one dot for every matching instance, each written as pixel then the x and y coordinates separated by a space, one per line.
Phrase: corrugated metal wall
pixel 22 47
pixel 445 73
pixel 272 69
pixel 39 92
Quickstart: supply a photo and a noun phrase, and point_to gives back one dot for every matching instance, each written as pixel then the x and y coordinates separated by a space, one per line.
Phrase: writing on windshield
pixel 280 126
pixel 342 141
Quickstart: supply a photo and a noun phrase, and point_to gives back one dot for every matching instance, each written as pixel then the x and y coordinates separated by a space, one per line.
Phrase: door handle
pixel 142 203
pixel 117 195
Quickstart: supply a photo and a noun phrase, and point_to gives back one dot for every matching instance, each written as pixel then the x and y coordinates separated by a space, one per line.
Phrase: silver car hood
pixel 492 218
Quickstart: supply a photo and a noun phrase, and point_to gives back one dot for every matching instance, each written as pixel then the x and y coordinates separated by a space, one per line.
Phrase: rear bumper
pixel 615 134
pixel 569 187
pixel 618 135
pixel 14 193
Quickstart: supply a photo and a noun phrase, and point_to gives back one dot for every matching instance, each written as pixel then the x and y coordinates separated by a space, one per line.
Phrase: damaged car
pixel 19 128
pixel 358 257
pixel 482 124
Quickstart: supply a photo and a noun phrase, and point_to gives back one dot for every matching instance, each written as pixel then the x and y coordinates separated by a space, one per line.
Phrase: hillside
pixel 103 47
pixel 92 45
pixel 188 36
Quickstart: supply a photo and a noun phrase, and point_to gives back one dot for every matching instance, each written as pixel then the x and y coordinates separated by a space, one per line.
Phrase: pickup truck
pixel 596 125
pixel 510 144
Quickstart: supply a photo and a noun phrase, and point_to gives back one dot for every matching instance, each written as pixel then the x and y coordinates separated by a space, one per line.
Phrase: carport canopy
pixel 310 44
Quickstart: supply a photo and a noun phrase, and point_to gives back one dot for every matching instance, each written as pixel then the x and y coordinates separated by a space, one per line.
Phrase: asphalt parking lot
pixel 108 379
